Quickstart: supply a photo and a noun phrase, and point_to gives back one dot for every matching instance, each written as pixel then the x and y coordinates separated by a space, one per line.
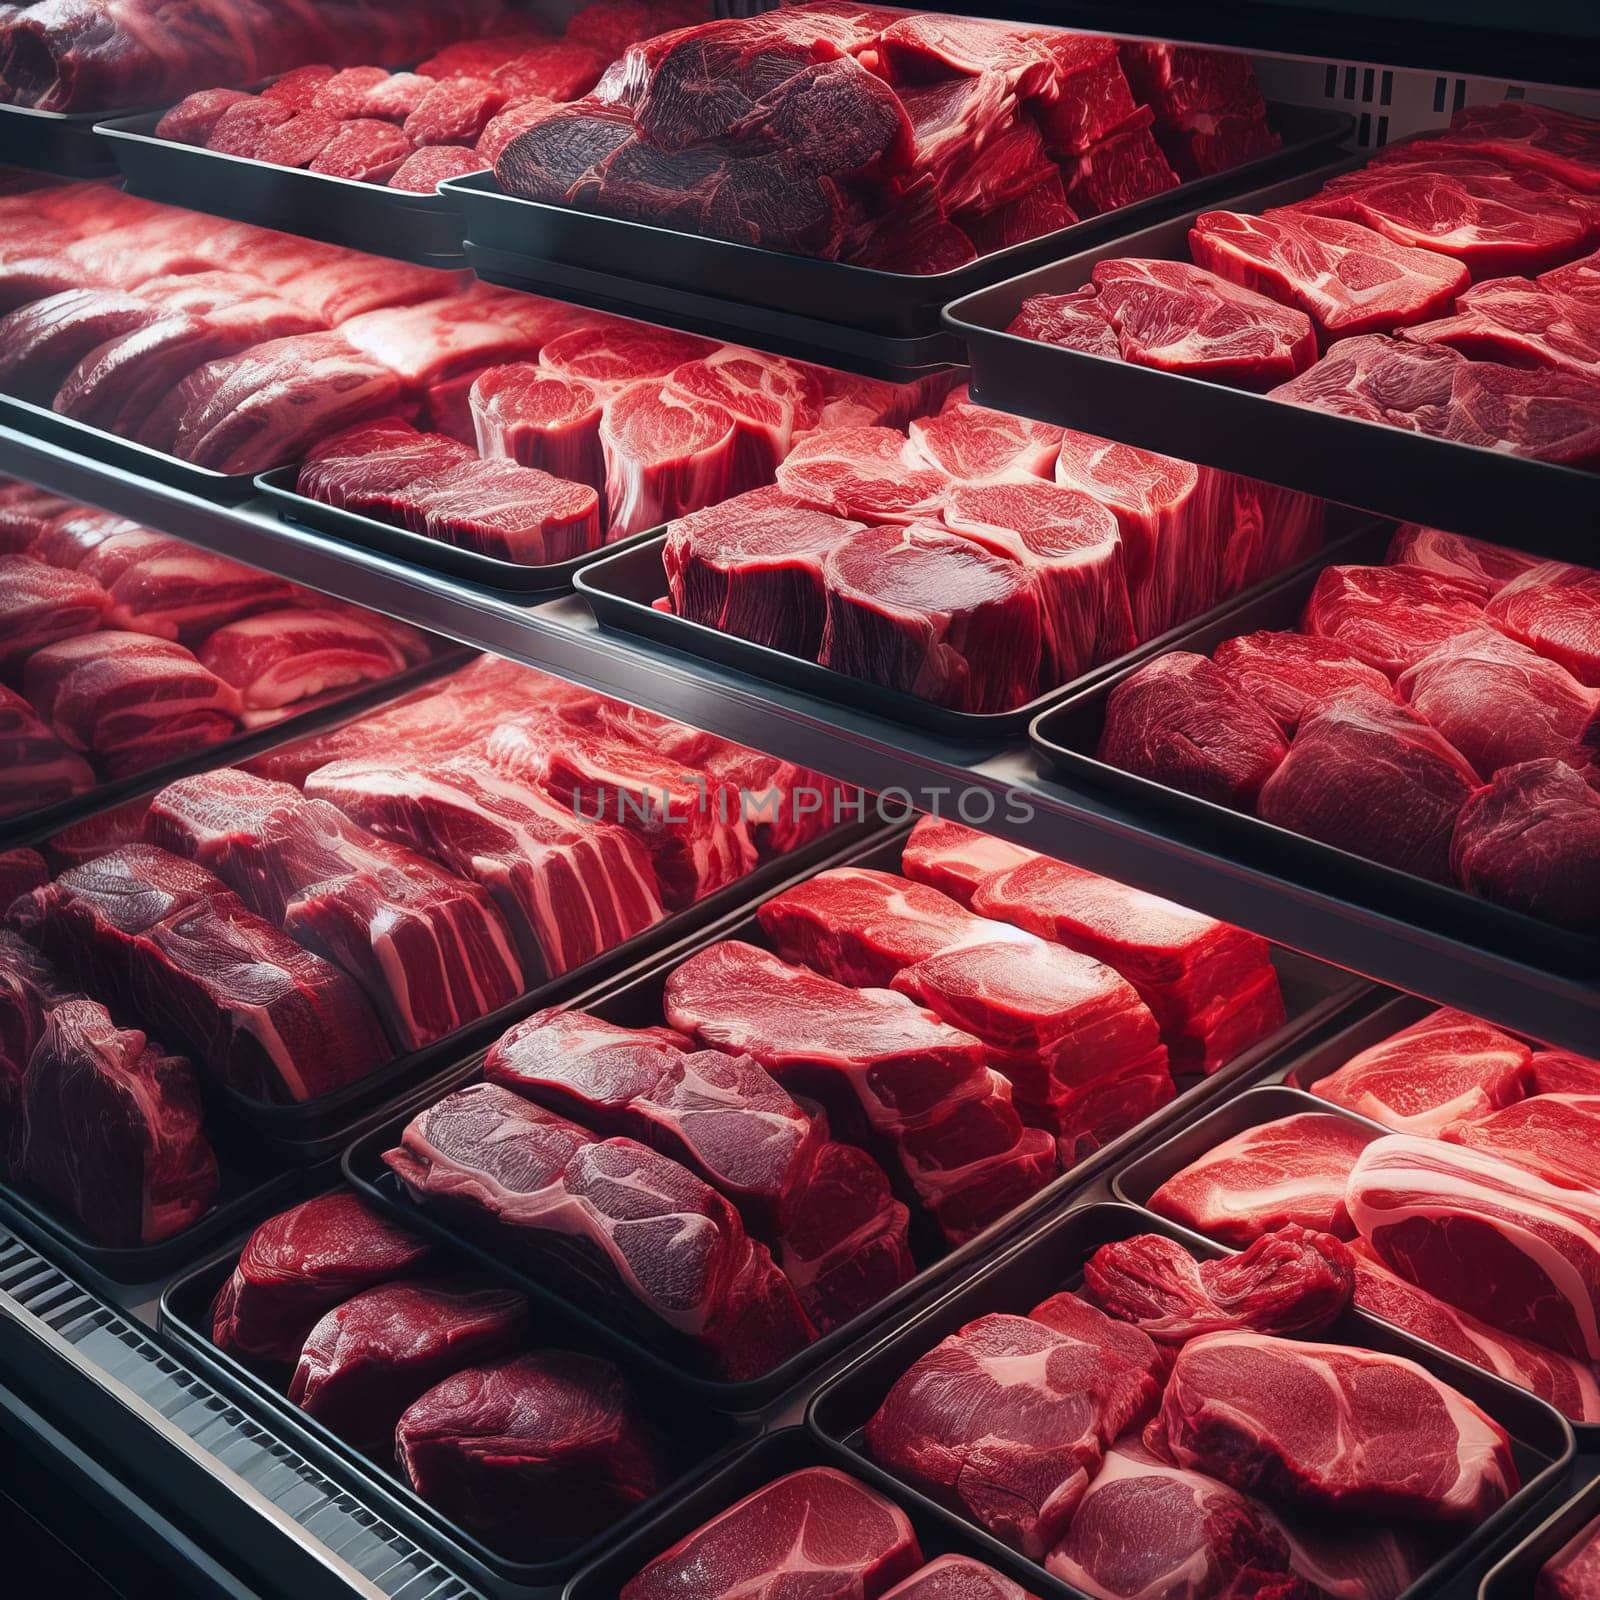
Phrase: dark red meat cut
pixel 367 1360
pixel 1125 166
pixel 36 768
pixel 371 466
pixel 1181 721
pixel 40 605
pixel 1564 1072
pixel 1391 616
pixel 112 1129
pixel 194 118
pixel 1292 1171
pixel 976 445
pixel 1075 321
pixel 1204 143
pixel 770 399
pixel 1515 133
pixel 532 417
pixel 818 1527
pixel 1528 841
pixel 300 1264
pixel 1291 674
pixel 1093 96
pixel 1453 555
pixel 532 1452
pixel 611 1222
pixel 29 987
pixel 499 509
pixel 21 869
pixel 1519 323
pixel 1554 608
pixel 1181 78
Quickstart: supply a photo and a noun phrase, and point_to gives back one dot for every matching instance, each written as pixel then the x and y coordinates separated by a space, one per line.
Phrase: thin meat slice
pixel 1554 608
pixel 1292 1170
pixel 40 605
pixel 1289 675
pixel 276 658
pixel 1391 616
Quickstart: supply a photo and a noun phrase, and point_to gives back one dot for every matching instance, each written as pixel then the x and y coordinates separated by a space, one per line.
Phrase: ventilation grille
pixel 127 1355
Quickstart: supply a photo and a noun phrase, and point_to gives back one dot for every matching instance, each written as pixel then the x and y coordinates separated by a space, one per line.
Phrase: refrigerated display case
pixel 193 1469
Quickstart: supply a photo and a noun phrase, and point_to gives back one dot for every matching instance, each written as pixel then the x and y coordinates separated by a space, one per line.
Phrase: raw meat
pixel 531 1452
pixel 300 1264
pixel 527 415
pixel 424 170
pixel 36 768
pixel 455 111
pixel 1292 1280
pixel 1520 133
pixel 1553 1135
pixel 931 614
pixel 21 870
pixel 132 700
pixel 275 658
pixel 194 117
pixel 616 1225
pixel 868 472
pixel 1432 389
pixel 367 1360
pixel 1075 321
pixel 1573 1572
pixel 1528 840
pixel 449 337
pixel 1347 278
pixel 1147 1528
pixel 40 605
pixel 890 1074
pixel 29 987
pixel 1563 1072
pixel 1072 545
pixel 569 889
pixel 1500 703
pixel 1522 324
pixel 752 567
pixel 666 453
pixel 1452 555
pixel 1391 616
pixel 300 87
pixel 770 400
pixel 956 859
pixel 364 150
pixel 1372 778
pixel 1293 1170
pixel 609 354
pixel 1488 1237
pixel 1554 608
pixel 68 538
pixel 1289 675
pixel 1204 143
pixel 957 1578
pixel 41 342
pixel 1181 721
pixel 1006 1420
pixel 1333 1428
pixel 817 1527
pixel 973 444
pixel 1448 1067
pixel 1181 318
pixel 111 1129
pixel 100 834
pixel 27 514
pixel 165 941
pixel 367 467
pixel 1125 166
pixel 502 510
pixel 1580 278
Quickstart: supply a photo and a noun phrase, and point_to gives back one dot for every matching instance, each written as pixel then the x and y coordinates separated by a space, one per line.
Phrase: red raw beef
pixel 1183 722
pixel 195 117
pixel 501 129
pixel 1556 1136
pixel 1072 545
pixel 36 768
pixel 1292 1171
pixel 818 1527
pixel 1519 323
pixel 424 170
pixel 1289 675
pixel 1564 1072
pixel 40 605
pixel 1446 1068
pixel 299 141
pixel 275 658
pixel 957 1578
pixel 610 26
pixel 1528 841
pixel 480 58
pixel 1204 143
pixel 21 870
pixel 1042 210
pixel 1333 1428
pixel 1500 703
pixel 752 567
pixel 1580 278
pixel 369 1359
pixel 455 111
pixel 973 444
pixel 1089 98
pixel 341 93
pixel 364 149
pixel 1554 608
pixel 666 454
pixel 64 540
pixel 609 353
pixel 298 88
pixel 1075 321
pixel 242 127
pixel 29 988
pixel 28 514
pixel 1516 133
pixel 1391 616
pixel 533 1451
pixel 369 467
pixel 628 1232
pixel 439 339
pixel 1006 1420
pixel 1370 777
pixel 770 399
pixel 527 415
pixel 502 510
pixel 868 472
pixel 554 69
pixel 1347 278
pixel 1181 318
pixel 394 99
pixel 1123 167
pixel 100 834
pixel 1181 78
pixel 41 342
pixel 1453 555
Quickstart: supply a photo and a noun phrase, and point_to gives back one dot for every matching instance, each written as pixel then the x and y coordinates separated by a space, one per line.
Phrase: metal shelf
pixel 1561 1007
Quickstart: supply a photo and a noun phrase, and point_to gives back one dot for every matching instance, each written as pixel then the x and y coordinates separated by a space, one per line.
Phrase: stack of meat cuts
pixel 452 115
pixel 1440 715
pixel 430 1373
pixel 908 143
pixel 1449 286
pixel 1225 1460
pixel 978 559
pixel 127 649
pixel 1474 1220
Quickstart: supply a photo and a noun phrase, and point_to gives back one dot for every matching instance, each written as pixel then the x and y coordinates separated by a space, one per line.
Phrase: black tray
pixel 112 450
pixel 37 827
pixel 766 295
pixel 621 588
pixel 423 228
pixel 1385 470
pixel 403 545
pixel 696 1440
pixel 1051 1258
pixel 1315 995
pixel 64 142
pixel 316 1130
pixel 1513 1577
pixel 781 1452
pixel 1068 735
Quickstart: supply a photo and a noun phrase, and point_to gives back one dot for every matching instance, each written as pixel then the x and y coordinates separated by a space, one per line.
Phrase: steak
pixel 1006 1420
pixel 609 1222
pixel 1563 1072
pixel 1485 1236
pixel 111 1129
pixel 1520 133
pixel 302 1263
pixel 531 1451
pixel 956 859
pixel 165 941
pixel 1554 608
pixel 1126 166
pixel 872 473
pixel 1075 321
pixel 524 414
pixel 1332 1428
pixel 1571 1573
pixel 366 468
pixel 426 168
pixel 1446 1068
pixel 1527 840
pixel 1391 616
pixel 818 1527
pixel 36 768
pixel 972 444
pixel 41 342
pixel 1521 324
pixel 609 354
pixel 367 1360
pixel 1291 1171
pixel 769 398
pixel 29 987
pixel 666 453
pixel 1292 1280
pixel 1452 555
pixel 276 658
pixel 1290 675
pixel 40 605
pixel 1550 1134
pixel 957 1578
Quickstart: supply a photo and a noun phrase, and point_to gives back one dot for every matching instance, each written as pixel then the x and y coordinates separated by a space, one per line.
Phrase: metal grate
pixel 125 1353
